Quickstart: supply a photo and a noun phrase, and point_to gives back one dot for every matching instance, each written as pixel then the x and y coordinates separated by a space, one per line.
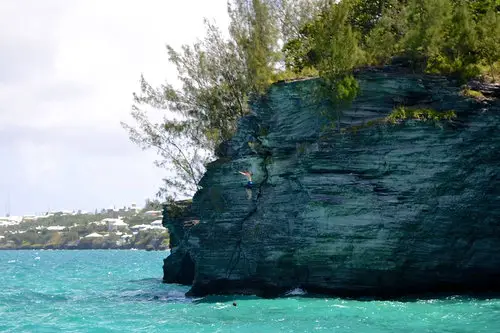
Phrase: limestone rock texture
pixel 376 210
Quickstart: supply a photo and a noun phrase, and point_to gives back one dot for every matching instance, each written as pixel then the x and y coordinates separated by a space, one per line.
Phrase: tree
pixel 336 45
pixel 489 39
pixel 218 77
pixel 198 116
pixel 152 205
pixel 383 41
pixel 256 33
pixel 461 46
pixel 427 21
pixel 366 14
pixel 330 45
pixel 479 8
pixel 292 15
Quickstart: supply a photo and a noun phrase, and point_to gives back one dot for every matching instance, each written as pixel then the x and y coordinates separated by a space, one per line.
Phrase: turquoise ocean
pixel 121 291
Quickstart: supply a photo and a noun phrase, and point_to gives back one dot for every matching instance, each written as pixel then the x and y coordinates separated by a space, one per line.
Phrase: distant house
pixel 29 218
pixel 140 227
pixel 99 222
pixel 158 224
pixel 56 228
pixel 115 224
pixel 94 235
pixel 10 220
pixel 46 216
pixel 154 213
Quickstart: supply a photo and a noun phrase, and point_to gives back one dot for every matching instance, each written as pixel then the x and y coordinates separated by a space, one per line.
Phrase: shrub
pixel 401 114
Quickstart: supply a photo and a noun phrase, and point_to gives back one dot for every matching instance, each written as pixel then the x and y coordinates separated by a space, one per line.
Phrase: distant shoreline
pixel 62 249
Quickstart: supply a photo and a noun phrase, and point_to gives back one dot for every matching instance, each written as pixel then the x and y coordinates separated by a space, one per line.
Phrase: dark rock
pixel 383 210
pixel 178 266
pixel 488 90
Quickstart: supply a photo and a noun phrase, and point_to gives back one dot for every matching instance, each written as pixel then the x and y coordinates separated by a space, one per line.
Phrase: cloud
pixel 77 140
pixel 18 62
pixel 67 73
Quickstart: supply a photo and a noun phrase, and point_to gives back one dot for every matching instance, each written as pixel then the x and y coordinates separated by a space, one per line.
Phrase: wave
pixel 296 292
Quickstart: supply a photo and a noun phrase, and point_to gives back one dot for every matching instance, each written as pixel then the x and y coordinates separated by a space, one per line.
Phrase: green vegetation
pixel 218 77
pixel 434 36
pixel 70 231
pixel 177 209
pixel 274 40
pixel 402 114
pixel 473 94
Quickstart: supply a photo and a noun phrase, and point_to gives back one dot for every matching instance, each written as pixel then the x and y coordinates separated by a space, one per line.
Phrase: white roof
pixel 110 220
pixel 158 228
pixel 140 226
pixel 94 235
pixel 157 222
pixel 120 222
pixel 56 228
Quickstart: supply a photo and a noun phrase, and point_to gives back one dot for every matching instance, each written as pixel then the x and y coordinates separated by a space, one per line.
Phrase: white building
pixel 115 224
pixel 94 235
pixel 155 213
pixel 140 227
pixel 157 225
pixel 46 216
pixel 56 228
pixel 11 220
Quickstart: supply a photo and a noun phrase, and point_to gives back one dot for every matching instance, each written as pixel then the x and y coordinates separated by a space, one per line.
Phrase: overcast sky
pixel 67 72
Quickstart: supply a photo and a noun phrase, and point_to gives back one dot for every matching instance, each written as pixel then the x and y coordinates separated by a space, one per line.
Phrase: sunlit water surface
pixel 121 291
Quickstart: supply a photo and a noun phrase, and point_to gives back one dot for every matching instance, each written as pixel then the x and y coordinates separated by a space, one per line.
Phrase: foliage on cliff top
pixel 271 40
pixel 452 37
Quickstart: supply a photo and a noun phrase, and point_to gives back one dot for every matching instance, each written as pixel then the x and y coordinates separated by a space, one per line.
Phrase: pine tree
pixel 255 31
pixel 489 39
pixel 427 21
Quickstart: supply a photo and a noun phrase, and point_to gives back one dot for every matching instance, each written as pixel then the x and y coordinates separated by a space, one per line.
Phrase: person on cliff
pixel 249 185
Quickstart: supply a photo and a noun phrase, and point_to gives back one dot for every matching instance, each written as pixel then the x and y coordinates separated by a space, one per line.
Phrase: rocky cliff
pixel 377 209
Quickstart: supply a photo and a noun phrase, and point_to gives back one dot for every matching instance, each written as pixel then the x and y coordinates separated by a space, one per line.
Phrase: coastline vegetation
pixel 71 231
pixel 274 40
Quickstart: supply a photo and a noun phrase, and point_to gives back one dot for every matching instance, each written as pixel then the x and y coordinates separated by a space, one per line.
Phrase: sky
pixel 68 69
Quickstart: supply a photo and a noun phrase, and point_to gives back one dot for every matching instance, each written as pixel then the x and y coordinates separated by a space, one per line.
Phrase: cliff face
pixel 382 210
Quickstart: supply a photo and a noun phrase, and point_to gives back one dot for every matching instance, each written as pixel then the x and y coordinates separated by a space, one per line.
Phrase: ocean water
pixel 121 291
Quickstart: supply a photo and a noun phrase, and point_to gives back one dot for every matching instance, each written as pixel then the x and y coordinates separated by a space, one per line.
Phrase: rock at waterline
pixel 377 210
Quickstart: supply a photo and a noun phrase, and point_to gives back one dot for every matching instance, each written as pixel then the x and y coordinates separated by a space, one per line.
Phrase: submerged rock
pixel 382 210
